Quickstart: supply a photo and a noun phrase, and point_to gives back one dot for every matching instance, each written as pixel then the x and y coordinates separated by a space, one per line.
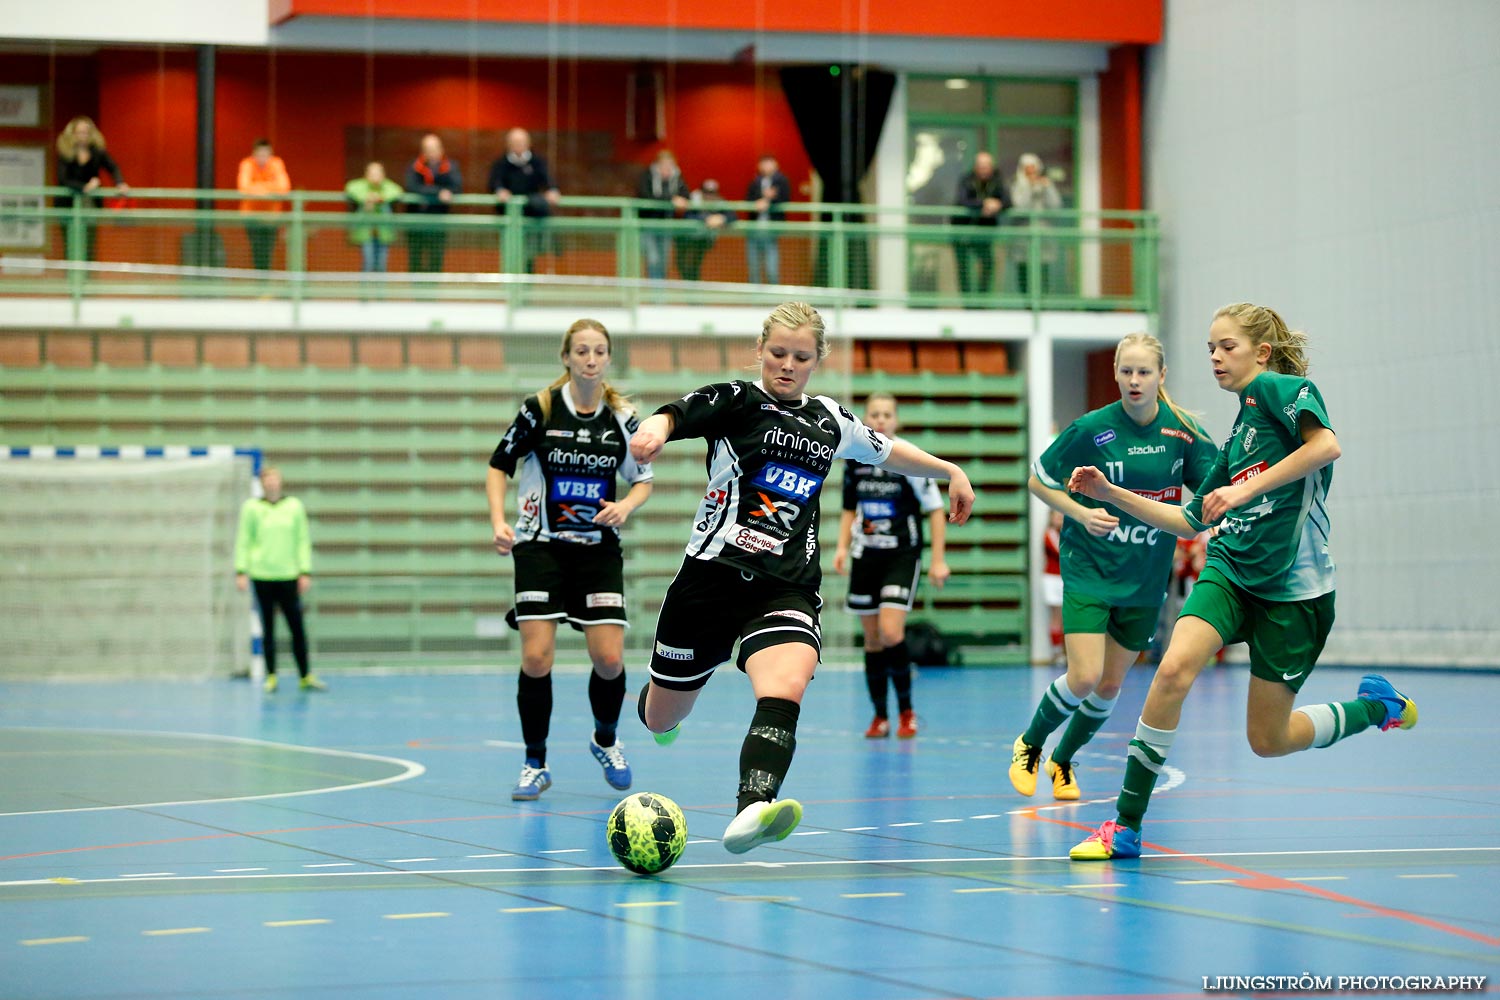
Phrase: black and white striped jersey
pixel 565 467
pixel 767 461
pixel 888 507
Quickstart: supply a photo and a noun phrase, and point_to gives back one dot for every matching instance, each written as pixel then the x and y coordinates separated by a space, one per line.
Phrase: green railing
pixel 198 243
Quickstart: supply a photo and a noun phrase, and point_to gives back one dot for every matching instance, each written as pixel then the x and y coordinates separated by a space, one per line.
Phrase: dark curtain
pixel 840 111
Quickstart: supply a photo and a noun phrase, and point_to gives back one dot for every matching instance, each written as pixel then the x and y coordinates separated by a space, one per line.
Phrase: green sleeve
pixel 1301 397
pixel 304 542
pixel 1218 475
pixel 1056 465
pixel 245 538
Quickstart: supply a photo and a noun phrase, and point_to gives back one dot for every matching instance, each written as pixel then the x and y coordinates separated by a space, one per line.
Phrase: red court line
pixel 1260 880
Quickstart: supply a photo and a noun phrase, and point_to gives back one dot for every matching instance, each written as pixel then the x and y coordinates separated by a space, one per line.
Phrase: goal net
pixel 119 562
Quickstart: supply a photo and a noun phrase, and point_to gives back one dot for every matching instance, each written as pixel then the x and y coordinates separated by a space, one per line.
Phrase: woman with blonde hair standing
pixel 82 162
pixel 565 449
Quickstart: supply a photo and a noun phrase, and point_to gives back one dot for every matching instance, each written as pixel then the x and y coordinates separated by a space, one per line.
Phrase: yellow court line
pixel 649 902
pixel 532 909
pixel 1318 878
pixel 414 916
pixel 1442 875
pixel 869 895
pixel 29 942
pixel 297 923
pixel 164 932
pixel 990 888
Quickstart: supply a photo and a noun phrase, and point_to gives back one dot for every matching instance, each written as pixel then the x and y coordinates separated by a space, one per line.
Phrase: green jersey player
pixel 1114 569
pixel 1268 580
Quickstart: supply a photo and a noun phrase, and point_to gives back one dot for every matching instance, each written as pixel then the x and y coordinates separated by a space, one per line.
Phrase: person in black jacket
pixel 984 194
pixel 81 160
pixel 522 173
pixel 434 178
pixel 769 191
pixel 661 182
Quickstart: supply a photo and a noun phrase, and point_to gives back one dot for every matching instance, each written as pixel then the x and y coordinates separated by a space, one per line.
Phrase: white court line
pixel 147 874
pixel 233 871
pixel 859 829
pixel 896 825
pixel 828 863
pixel 945 821
pixel 561 850
pixel 1428 876
pixel 330 864
pixel 412 770
pixel 409 861
pixel 489 855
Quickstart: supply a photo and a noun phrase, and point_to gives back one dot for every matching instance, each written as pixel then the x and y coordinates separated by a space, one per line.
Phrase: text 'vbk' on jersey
pixel 767 462
pixel 565 467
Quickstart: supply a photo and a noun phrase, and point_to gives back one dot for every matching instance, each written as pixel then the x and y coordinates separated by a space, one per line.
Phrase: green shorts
pixel 1285 637
pixel 1132 628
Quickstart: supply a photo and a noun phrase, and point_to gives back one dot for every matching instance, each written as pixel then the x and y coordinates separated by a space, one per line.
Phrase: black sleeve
pixel 108 164
pixel 968 195
pixel 521 439
pixel 496 179
pixel 851 493
pixel 455 181
pixel 643 185
pixel 703 412
pixel 782 188
pixel 543 175
pixel 417 185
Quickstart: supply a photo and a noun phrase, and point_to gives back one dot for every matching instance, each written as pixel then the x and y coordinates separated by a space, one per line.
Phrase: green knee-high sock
pixel 1148 752
pixel 1092 713
pixel 1056 705
pixel 1340 719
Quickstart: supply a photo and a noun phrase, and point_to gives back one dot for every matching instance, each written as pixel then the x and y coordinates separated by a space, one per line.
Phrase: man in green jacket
pixel 274 552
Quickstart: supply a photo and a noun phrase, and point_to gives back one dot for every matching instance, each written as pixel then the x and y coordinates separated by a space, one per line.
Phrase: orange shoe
pixel 879 729
pixel 907 727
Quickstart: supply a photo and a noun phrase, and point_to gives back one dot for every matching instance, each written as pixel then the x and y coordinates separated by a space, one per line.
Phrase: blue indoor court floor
pixel 204 840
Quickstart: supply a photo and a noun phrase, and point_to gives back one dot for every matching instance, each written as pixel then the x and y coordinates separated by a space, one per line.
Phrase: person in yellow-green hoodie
pixel 274 552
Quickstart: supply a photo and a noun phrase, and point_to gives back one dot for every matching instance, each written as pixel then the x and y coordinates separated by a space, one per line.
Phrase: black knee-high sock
pixel 766 755
pixel 605 698
pixel 875 673
pixel 898 663
pixel 534 700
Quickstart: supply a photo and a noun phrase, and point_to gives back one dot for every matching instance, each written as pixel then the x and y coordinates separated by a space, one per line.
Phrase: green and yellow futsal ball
pixel 647 833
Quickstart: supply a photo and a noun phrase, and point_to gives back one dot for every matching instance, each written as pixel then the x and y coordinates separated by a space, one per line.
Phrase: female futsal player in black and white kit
pixel 751 574
pixel 565 449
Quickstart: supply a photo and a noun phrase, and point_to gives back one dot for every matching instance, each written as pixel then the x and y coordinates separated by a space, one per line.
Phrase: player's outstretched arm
pixel 1089 481
pixel 909 460
pixel 650 437
pixel 1320 447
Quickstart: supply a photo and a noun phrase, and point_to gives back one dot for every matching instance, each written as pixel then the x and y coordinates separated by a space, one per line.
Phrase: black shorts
pixel 712 605
pixel 564 580
pixel 883 580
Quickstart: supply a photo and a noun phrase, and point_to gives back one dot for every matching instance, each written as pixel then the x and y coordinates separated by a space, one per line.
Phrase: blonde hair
pixel 881 397
pixel 613 398
pixel 1188 418
pixel 794 316
pixel 67 145
pixel 1263 325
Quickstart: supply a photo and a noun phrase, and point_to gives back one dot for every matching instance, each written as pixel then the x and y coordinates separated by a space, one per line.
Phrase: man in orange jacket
pixel 263 177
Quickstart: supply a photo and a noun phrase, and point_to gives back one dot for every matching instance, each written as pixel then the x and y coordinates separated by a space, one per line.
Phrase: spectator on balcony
pixel 81 160
pixel 982 193
pixel 1032 190
pixel 660 183
pixel 769 191
pixel 706 207
pixel 373 196
pixel 263 178
pixel 434 178
pixel 522 174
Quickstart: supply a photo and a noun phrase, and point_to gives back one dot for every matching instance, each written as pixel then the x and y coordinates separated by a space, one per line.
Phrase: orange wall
pixel 1137 21
pixel 1120 129
pixel 719 117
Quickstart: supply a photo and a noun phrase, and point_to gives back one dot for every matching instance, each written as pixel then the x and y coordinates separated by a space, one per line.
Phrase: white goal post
pixel 118 561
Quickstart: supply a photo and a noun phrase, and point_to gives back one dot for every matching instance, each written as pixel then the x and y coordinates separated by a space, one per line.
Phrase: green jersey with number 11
pixel 1275 545
pixel 1129 566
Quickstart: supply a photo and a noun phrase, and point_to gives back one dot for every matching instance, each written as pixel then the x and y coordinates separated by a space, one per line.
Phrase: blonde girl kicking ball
pixel 1268 579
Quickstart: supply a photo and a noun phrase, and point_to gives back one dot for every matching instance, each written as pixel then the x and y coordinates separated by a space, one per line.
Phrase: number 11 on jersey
pixel 1115 471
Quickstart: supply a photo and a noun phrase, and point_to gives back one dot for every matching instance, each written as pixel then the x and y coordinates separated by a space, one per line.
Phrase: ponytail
pixel 1263 325
pixel 1187 418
